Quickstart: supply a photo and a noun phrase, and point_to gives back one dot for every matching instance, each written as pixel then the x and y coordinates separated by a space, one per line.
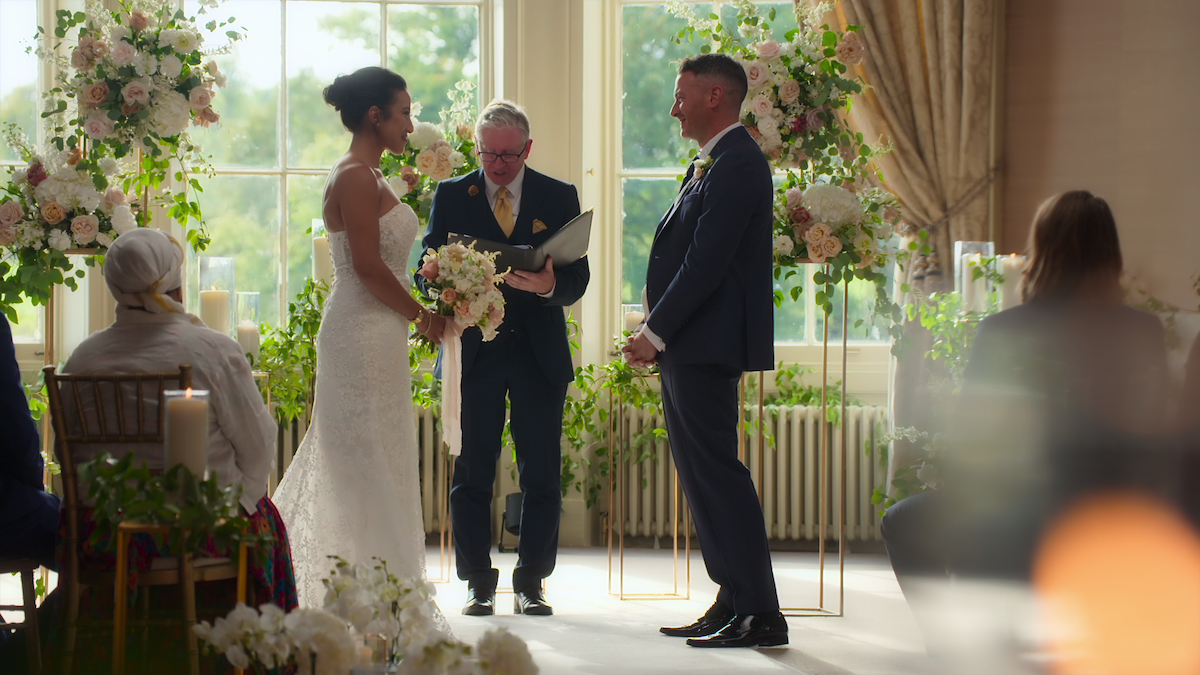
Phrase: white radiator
pixel 788 485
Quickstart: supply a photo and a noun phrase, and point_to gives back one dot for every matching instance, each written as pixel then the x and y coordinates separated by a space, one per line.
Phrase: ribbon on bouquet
pixel 452 386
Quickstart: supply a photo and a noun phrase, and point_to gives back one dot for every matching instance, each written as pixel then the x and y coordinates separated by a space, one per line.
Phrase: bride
pixel 352 489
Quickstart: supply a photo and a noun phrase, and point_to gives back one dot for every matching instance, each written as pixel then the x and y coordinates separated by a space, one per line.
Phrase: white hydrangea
pixel 104 239
pixel 59 240
pixel 784 244
pixel 123 219
pixel 834 205
pixel 145 64
pixel 170 66
pixel 109 165
pixel 425 134
pixel 170 113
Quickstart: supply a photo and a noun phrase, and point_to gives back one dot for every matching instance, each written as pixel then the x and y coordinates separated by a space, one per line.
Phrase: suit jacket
pixel 21 490
pixel 708 282
pixel 545 199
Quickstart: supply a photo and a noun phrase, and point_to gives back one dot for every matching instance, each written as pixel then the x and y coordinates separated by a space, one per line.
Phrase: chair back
pixel 103 408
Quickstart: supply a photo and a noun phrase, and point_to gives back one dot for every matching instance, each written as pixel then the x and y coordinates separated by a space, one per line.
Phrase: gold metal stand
pixel 618 430
pixel 823 476
pixel 445 527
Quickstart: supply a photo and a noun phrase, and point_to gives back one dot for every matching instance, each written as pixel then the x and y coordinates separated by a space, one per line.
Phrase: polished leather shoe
pixel 748 630
pixel 531 601
pixel 713 620
pixel 481 594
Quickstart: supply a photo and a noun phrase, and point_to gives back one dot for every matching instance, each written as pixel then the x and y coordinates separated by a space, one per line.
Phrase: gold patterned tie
pixel 503 212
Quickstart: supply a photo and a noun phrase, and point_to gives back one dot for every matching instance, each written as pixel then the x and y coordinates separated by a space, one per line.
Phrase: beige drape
pixel 929 73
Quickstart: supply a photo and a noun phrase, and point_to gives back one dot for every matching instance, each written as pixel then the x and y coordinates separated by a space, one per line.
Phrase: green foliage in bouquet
pixel 195 509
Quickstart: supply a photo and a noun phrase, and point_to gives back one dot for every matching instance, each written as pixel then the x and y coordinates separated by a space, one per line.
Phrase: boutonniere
pixel 701 165
pixel 473 190
pixel 538 226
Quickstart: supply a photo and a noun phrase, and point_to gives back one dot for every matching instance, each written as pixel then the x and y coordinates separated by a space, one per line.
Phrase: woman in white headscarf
pixel 153 333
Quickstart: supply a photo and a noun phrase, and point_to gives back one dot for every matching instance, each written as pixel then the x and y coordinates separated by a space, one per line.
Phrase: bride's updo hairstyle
pixel 354 94
pixel 1073 246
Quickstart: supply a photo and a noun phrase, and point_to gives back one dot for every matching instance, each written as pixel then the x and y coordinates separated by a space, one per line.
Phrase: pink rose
pixel 74 156
pixel 130 109
pixel 123 53
pixel 80 60
pixel 762 106
pixel 92 47
pixel 789 91
pixel 755 134
pixel 449 295
pixel 37 174
pixel 801 215
pixel 98 126
pixel 768 50
pixel 115 196
pixel 430 269
pixel 466 132
pixel 11 212
pixel 851 51
pixel 136 92
pixel 756 73
pixel 831 246
pixel 812 119
pixel 793 196
pixel 85 228
pixel 53 213
pixel 138 21
pixel 8 234
pixel 801 230
pixel 462 309
pixel 409 174
pixel 201 98
pixel 206 118
pixel 95 94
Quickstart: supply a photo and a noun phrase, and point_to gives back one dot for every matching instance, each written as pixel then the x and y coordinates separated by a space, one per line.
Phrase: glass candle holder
pixel 185 431
pixel 968 256
pixel 322 259
pixel 632 315
pixel 216 291
pixel 246 310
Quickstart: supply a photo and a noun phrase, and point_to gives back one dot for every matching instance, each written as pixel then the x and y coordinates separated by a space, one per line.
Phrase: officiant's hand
pixel 535 282
pixel 639 351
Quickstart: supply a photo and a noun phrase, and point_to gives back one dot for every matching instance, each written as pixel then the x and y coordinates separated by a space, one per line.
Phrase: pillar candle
pixel 1012 267
pixel 214 310
pixel 974 291
pixel 186 431
pixel 632 319
pixel 247 337
pixel 322 260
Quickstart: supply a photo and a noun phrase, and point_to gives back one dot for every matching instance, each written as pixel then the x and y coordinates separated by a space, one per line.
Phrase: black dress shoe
pixel 748 630
pixel 531 601
pixel 713 620
pixel 481 594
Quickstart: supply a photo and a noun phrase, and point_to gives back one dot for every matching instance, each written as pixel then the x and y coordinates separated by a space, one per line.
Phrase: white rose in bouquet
pixel 427 161
pixel 59 240
pixel 424 135
pixel 123 219
pixel 170 66
pixel 399 185
pixel 784 244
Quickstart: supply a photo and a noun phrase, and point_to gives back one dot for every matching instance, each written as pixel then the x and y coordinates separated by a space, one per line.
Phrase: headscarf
pixel 142 266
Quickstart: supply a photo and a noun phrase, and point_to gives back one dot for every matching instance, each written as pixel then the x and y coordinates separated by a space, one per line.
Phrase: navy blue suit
pixel 708 284
pixel 529 362
pixel 28 514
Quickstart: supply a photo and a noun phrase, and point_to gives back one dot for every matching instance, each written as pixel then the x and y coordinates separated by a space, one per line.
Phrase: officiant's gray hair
pixel 502 114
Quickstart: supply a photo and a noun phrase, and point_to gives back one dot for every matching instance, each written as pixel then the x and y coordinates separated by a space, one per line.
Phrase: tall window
pixel 19 105
pixel 652 158
pixel 277 137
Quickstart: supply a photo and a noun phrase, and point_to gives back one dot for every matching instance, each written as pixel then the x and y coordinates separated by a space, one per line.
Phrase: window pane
pixel 248 133
pixel 18 70
pixel 304 206
pixel 650 136
pixel 790 318
pixel 644 202
pixel 785 17
pixel 433 48
pixel 28 327
pixel 242 214
pixel 324 40
pixel 862 306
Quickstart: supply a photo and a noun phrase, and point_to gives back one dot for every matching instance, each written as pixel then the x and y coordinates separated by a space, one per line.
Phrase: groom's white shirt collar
pixel 514 191
pixel 712 142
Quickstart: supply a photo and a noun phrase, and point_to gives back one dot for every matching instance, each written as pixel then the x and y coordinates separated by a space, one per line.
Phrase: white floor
pixel 596 632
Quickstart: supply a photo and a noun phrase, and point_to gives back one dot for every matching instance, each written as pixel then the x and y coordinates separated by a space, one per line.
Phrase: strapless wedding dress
pixel 353 488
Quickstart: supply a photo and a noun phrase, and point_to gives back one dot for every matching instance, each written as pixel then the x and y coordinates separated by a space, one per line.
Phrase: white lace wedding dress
pixel 353 487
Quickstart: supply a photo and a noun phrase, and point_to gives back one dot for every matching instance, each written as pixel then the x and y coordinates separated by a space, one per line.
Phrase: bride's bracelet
pixel 422 320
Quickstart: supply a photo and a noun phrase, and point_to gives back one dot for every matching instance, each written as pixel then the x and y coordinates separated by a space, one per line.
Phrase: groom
pixel 709 304
pixel 529 362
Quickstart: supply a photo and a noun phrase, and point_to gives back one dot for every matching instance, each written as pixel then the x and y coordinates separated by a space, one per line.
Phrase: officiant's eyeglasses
pixel 506 157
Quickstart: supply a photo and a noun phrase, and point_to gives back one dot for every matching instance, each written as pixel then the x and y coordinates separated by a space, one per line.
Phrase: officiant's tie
pixel 503 211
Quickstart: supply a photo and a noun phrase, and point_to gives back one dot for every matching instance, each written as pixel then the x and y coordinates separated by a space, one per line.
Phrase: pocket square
pixel 538 226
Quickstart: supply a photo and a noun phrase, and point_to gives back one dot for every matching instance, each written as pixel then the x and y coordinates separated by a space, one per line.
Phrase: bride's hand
pixel 433 326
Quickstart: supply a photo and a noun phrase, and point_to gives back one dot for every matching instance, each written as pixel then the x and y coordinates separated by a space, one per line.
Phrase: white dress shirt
pixel 704 153
pixel 241 432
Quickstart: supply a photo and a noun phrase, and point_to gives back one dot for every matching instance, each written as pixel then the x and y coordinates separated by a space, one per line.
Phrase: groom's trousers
pixel 507 366
pixel 701 404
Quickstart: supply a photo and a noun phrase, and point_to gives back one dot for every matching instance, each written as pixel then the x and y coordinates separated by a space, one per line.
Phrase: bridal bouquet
pixel 462 283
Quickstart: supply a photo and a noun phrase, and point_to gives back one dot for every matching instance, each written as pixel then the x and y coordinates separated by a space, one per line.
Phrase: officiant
pixel 529 362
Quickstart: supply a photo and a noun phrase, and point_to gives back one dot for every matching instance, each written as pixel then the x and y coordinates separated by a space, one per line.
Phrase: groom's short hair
pixel 724 69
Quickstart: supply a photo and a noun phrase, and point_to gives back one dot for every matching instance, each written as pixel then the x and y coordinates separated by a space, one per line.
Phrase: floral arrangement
pixel 53 204
pixel 435 152
pixel 462 283
pixel 375 602
pixel 315 640
pixel 799 89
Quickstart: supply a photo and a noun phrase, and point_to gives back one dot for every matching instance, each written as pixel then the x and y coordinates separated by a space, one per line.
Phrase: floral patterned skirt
pixel 163 648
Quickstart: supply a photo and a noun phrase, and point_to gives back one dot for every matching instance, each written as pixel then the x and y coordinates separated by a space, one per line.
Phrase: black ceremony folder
pixel 566 246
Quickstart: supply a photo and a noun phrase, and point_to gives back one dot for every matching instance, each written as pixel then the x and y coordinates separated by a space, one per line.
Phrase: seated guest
pixel 154 334
pixel 28 514
pixel 1060 396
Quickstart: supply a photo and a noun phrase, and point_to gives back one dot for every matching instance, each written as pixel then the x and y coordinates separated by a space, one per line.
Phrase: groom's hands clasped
pixel 639 352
